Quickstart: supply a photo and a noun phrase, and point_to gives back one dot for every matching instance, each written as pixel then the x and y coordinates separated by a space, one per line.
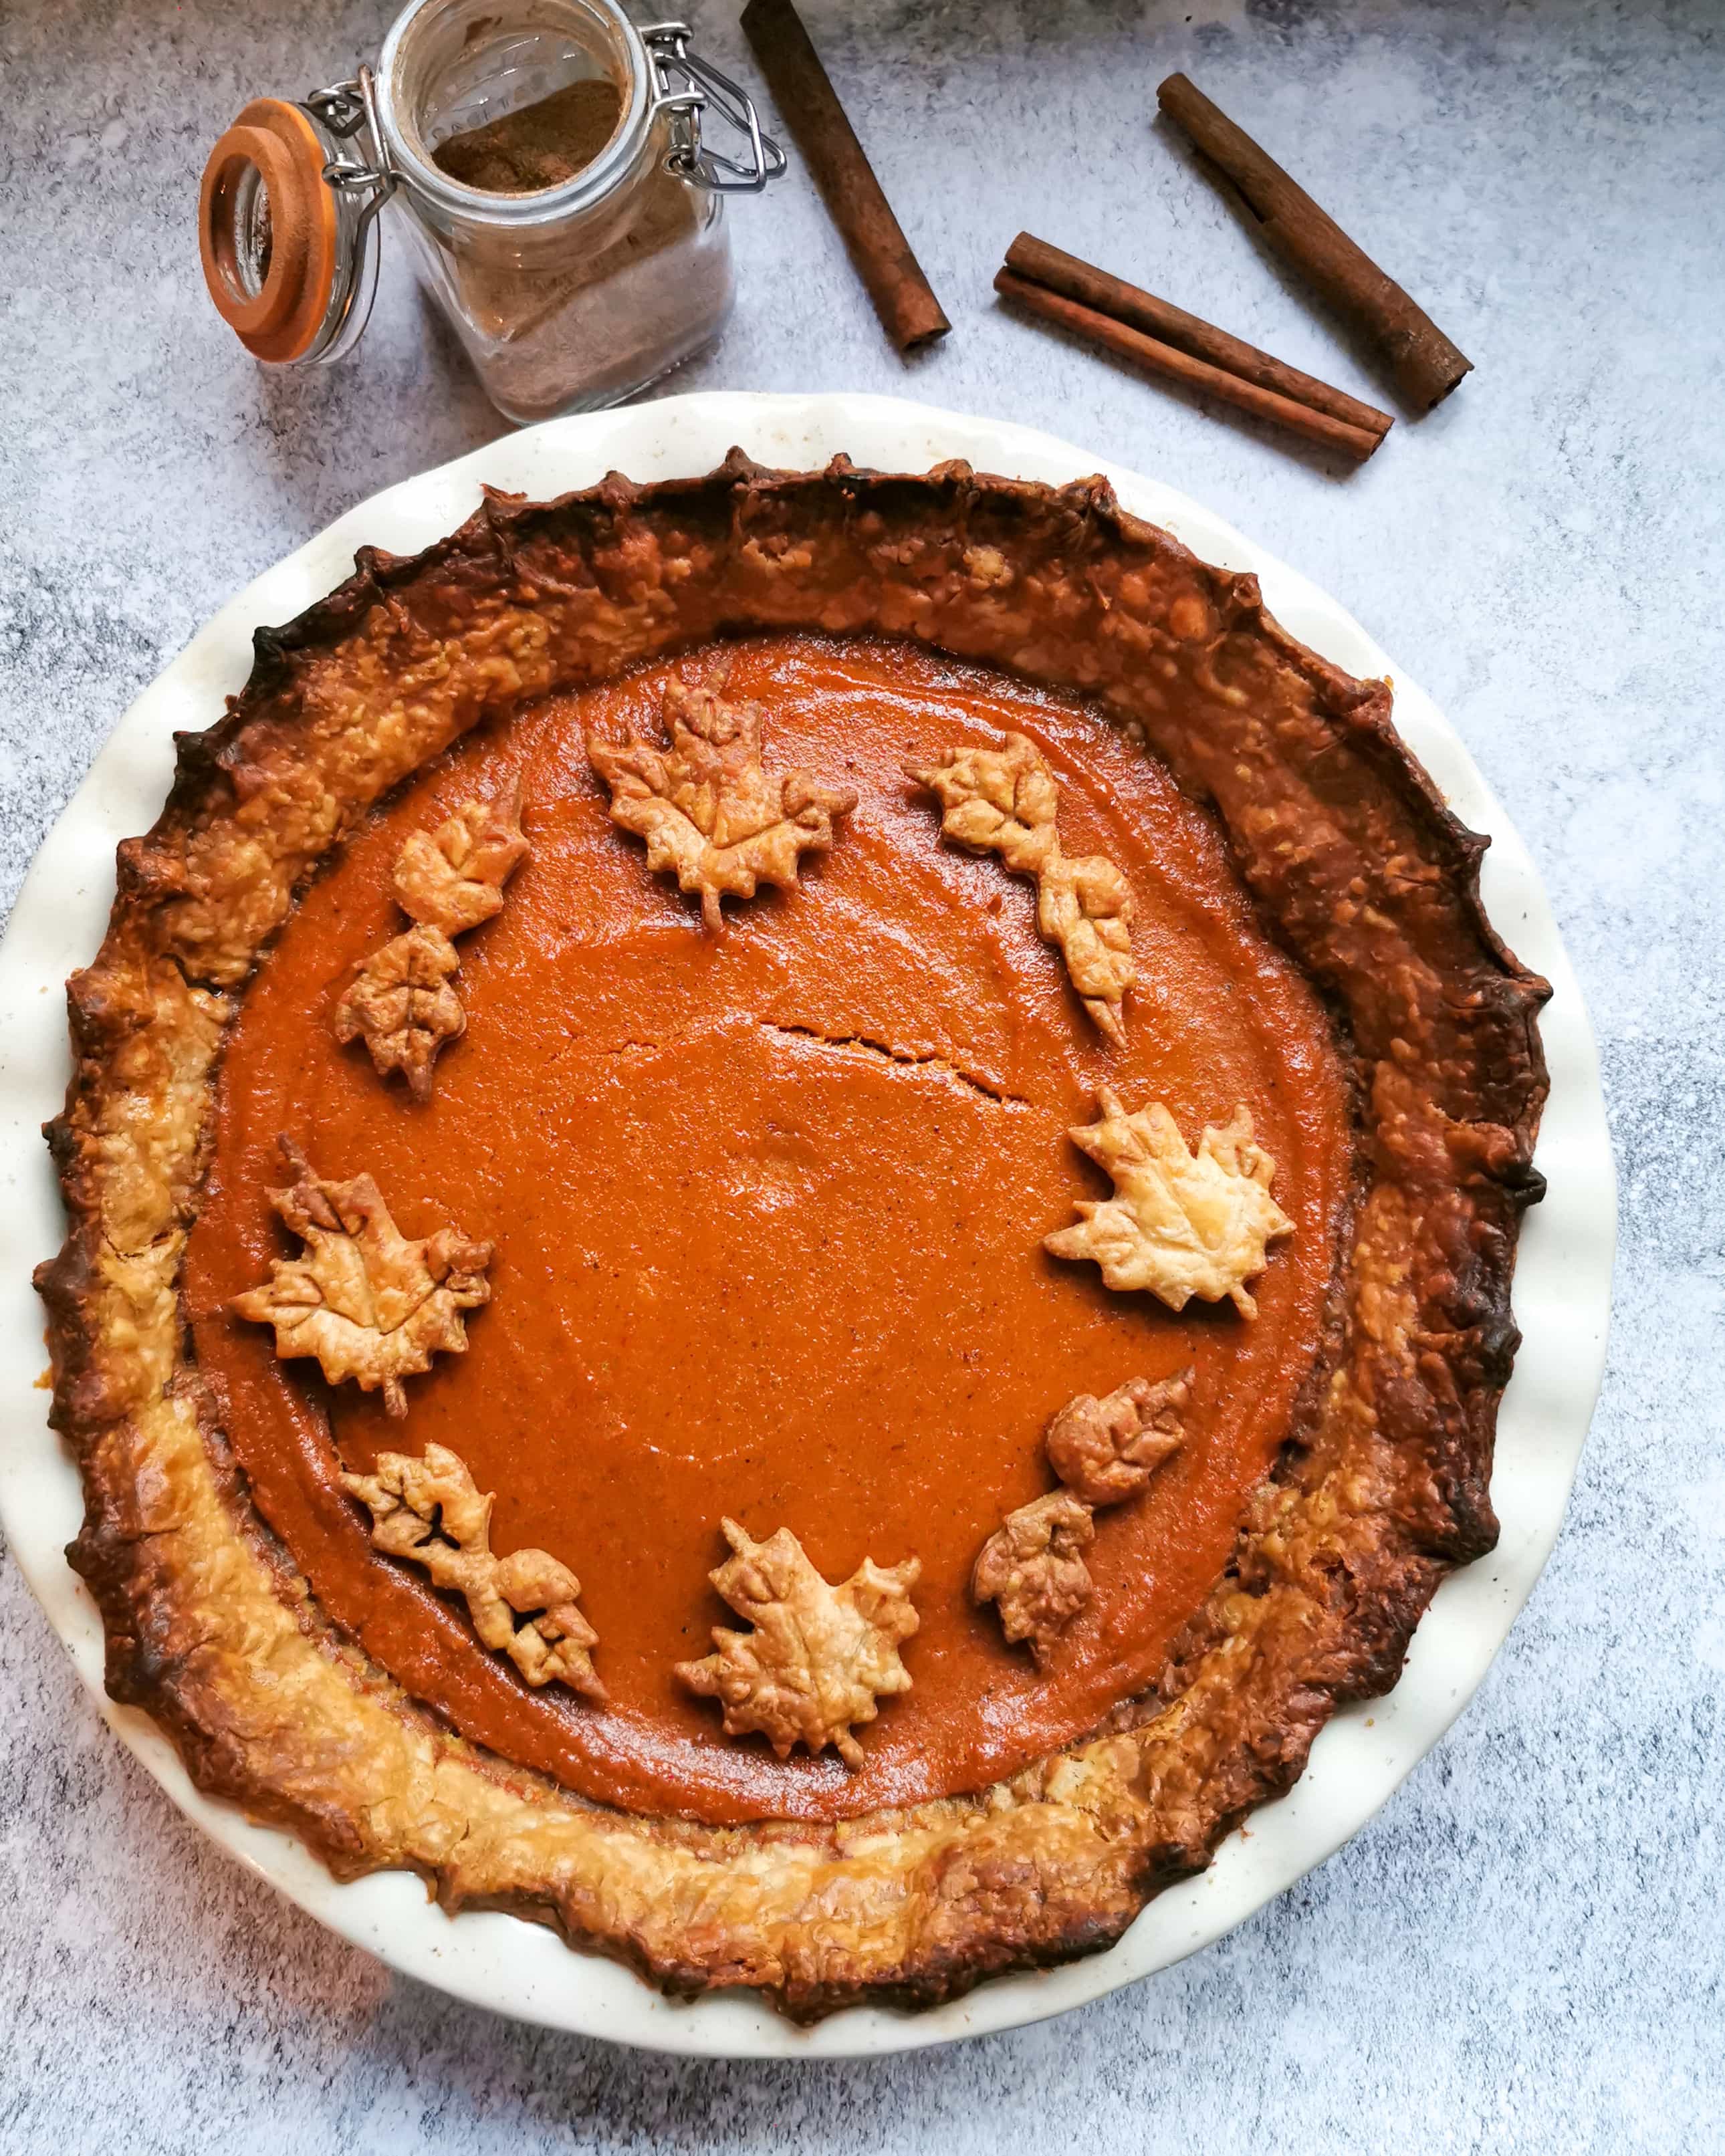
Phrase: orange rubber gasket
pixel 281 321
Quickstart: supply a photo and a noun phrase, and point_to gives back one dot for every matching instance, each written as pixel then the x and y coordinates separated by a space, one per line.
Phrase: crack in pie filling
pixel 792 1206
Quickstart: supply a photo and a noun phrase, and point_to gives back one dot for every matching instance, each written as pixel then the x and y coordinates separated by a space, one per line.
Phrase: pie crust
pixel 1356 868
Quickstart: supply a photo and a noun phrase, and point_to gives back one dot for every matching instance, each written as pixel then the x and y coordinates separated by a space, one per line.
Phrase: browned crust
pixel 1355 865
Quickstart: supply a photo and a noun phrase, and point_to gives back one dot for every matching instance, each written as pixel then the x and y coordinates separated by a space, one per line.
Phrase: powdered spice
pixel 541 146
pixel 586 307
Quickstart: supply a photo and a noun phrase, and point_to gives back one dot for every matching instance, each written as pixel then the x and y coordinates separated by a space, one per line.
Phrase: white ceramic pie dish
pixel 1562 1287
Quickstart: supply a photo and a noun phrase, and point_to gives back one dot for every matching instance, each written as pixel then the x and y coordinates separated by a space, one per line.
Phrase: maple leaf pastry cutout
pixel 1032 1567
pixel 820 1657
pixel 453 878
pixel 1179 1224
pixel 523 1606
pixel 369 1302
pixel 1005 801
pixel 711 815
pixel 402 1002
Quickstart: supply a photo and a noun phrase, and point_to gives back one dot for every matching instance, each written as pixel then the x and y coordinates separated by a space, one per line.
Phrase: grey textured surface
pixel 1523 1951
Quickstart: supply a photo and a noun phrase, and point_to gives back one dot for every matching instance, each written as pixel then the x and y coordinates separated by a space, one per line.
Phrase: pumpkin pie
pixel 792 1199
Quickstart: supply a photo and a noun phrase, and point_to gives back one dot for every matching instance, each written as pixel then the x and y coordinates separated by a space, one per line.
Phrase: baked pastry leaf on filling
pixel 401 1001
pixel 1180 1224
pixel 1033 1567
pixel 819 1657
pixel 368 1302
pixel 1005 801
pixel 453 878
pixel 712 814
pixel 523 1606
pixel 1105 1451
pixel 1340 849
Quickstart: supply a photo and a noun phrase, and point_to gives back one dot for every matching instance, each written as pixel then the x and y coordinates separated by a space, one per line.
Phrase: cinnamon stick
pixel 1425 365
pixel 1075 279
pixel 1176 366
pixel 903 299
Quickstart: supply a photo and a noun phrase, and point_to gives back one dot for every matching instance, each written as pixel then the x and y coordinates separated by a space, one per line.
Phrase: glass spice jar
pixel 544 161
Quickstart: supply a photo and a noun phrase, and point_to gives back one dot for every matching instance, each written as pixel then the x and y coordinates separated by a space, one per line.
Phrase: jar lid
pixel 267 231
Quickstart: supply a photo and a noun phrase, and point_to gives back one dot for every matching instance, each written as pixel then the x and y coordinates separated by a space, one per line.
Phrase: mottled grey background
pixel 1523 1951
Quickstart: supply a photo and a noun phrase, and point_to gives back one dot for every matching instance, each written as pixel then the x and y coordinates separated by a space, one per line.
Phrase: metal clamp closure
pixel 684 87
pixel 343 110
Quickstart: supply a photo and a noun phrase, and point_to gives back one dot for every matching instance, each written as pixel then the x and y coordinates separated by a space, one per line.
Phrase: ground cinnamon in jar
pixel 541 146
pixel 593 307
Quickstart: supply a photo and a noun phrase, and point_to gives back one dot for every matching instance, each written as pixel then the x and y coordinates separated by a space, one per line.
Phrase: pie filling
pixel 768 1209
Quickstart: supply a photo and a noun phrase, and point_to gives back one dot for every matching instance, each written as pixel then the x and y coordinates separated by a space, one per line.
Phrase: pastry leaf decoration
pixel 1005 801
pixel 820 1657
pixel 453 878
pixel 370 1303
pixel 402 1002
pixel 711 815
pixel 523 1606
pixel 1106 1450
pixel 1179 1224
pixel 1033 1569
